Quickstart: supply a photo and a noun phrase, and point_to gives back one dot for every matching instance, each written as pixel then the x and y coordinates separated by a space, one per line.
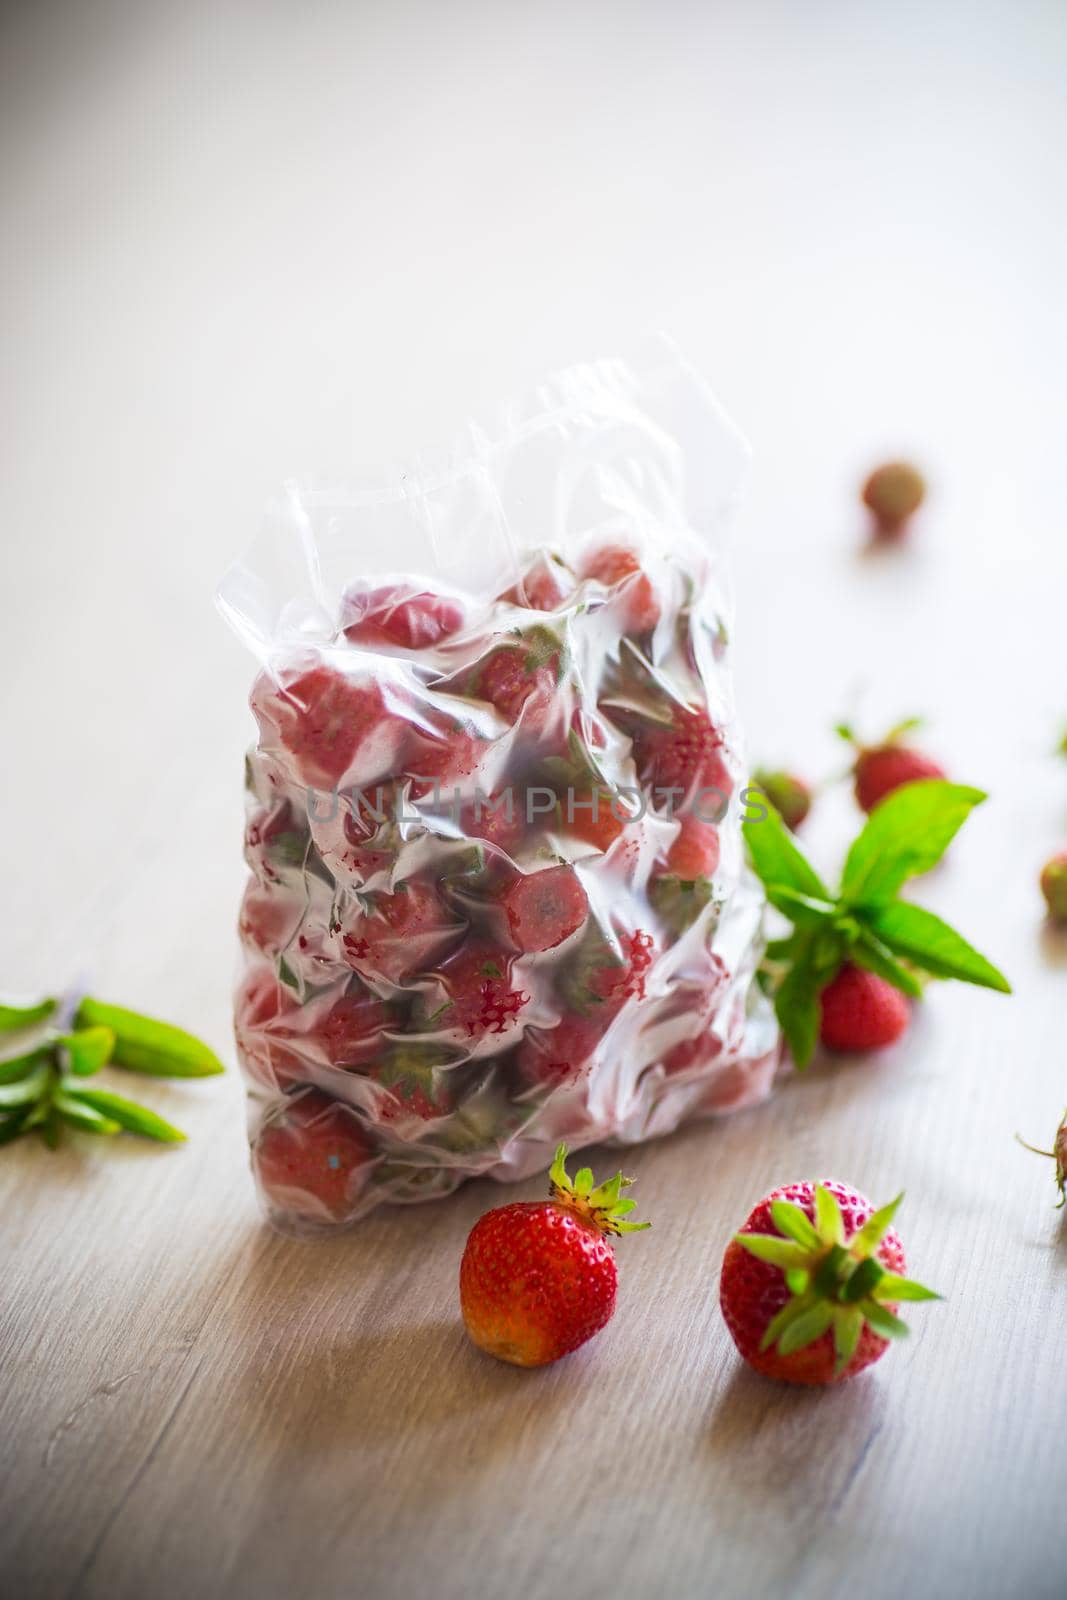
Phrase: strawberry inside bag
pixel 497 898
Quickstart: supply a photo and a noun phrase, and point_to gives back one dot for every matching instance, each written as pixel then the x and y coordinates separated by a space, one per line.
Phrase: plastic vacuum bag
pixel 496 893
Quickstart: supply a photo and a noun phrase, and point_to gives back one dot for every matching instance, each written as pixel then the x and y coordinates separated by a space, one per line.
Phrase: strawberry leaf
pixel 923 938
pixel 128 1115
pixel 805 1329
pixel 890 1287
pixel 784 1253
pixel 777 860
pixel 12 1126
pixel 83 1117
pixel 16 1068
pixel 907 833
pixel 88 1050
pixel 24 1091
pixel 144 1045
pixel 883 1321
pixel 848 1325
pixel 869 952
pixel 796 1005
pixel 12 1017
pixel 793 1223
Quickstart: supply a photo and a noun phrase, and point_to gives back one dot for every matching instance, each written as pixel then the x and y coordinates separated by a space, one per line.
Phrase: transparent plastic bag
pixel 497 897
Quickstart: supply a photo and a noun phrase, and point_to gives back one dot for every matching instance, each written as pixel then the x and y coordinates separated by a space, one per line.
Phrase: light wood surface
pixel 254 239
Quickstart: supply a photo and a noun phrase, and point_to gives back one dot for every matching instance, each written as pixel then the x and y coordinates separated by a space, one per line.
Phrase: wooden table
pixel 193 1406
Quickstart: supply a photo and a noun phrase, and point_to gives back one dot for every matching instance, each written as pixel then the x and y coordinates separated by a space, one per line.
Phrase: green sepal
pixel 12 1126
pixel 882 1320
pixel 128 1115
pixel 16 1068
pixel 142 1044
pixel 790 1220
pixel 24 1091
pixel 600 1205
pixel 876 1227
pixel 804 1330
pixel 848 1325
pixel 784 1253
pixel 13 1018
pixel 82 1116
pixel 891 1287
pixel 88 1050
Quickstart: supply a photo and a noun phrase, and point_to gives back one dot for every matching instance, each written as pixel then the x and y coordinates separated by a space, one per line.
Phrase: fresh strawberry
pixel 892 494
pixel 544 586
pixel 545 908
pixel 789 795
pixel 538 1278
pixel 617 565
pixel 811 1284
pixel 881 768
pixel 481 997
pixel 396 614
pixel 1058 1154
pixel 551 1058
pixel 325 721
pixel 312 1158
pixel 860 1011
pixel 687 756
pixel 851 949
pixel 695 850
pixel 350 1032
pixel 520 680
pixel 400 933
pixel 1054 886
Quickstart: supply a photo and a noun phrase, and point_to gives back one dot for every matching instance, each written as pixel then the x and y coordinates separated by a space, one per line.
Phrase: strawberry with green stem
pixel 812 1282
pixel 864 926
pixel 892 762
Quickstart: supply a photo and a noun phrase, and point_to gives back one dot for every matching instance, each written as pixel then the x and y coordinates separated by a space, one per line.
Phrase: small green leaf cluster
pixel 864 922
pixel 47 1087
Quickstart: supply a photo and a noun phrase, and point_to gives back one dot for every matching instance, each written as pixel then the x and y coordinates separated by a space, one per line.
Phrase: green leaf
pixel 790 1313
pixel 907 833
pixel 144 1045
pixel 48 1127
pixel 921 937
pixel 864 1280
pixel 868 951
pixel 828 1218
pixel 793 1223
pixel 777 860
pixel 796 1001
pixel 82 1116
pixel 25 1090
pixel 875 1229
pixel 12 1126
pixel 767 1247
pixel 17 1067
pixel 803 909
pixel 88 1050
pixel 806 1329
pixel 128 1115
pixel 883 1321
pixel 893 1288
pixel 14 1017
pixel 848 1325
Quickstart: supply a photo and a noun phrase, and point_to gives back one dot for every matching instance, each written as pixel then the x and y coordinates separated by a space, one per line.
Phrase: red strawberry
pixel 811 1284
pixel 545 586
pixel 602 829
pixel 446 761
pixel 415 1087
pixel 538 1278
pixel 401 933
pixel 370 850
pixel 881 768
pixel 261 1009
pixel 268 920
pixel 324 720
pixel 274 840
pixel 545 908
pixel 311 1159
pixel 698 1052
pixel 550 1058
pixel 1054 886
pixel 520 680
pixel 415 619
pixel 481 999
pixel 687 756
pixel 860 1011
pixel 892 494
pixel 616 564
pixel 695 850
pixel 789 795
pixel 350 1033
pixel 617 980
pixel 479 820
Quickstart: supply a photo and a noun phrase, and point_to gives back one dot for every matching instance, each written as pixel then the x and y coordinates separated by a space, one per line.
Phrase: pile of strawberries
pixel 496 896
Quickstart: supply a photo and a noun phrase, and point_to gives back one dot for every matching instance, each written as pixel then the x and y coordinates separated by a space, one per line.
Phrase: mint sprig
pixel 45 1088
pixel 864 922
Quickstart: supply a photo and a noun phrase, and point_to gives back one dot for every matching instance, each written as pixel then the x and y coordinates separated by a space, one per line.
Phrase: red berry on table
pixel 860 1011
pixel 695 851
pixel 892 494
pixel 789 795
pixel 312 1159
pixel 811 1283
pixel 325 721
pixel 545 908
pixel 396 614
pixel 618 566
pixel 539 1278
pixel 888 765
pixel 1054 887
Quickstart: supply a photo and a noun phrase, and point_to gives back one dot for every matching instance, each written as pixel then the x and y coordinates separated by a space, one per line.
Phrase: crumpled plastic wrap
pixel 496 893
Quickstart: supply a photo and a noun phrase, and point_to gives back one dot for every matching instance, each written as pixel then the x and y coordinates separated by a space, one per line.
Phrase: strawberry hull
pixel 497 897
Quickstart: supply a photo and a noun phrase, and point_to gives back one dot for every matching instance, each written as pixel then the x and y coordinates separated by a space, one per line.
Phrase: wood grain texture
pixel 194 1406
